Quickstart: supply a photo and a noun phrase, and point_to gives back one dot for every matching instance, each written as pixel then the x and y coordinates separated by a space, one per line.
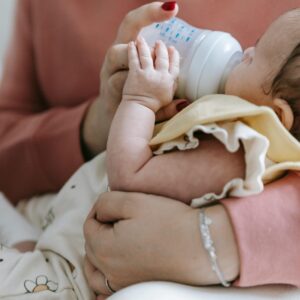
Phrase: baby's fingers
pixel 174 59
pixel 145 55
pixel 161 56
pixel 133 58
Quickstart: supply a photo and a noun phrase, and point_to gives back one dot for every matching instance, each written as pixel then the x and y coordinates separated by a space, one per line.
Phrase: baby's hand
pixel 151 81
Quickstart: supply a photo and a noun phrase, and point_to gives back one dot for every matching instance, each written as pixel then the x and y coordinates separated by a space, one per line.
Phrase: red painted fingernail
pixel 180 106
pixel 168 6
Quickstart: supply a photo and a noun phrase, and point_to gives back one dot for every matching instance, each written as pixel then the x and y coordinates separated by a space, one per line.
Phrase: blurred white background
pixel 6 20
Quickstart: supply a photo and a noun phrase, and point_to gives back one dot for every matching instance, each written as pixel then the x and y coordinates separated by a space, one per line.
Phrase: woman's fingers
pixel 116 59
pixel 92 257
pixel 116 83
pixel 92 228
pixel 114 206
pixel 141 17
pixel 96 279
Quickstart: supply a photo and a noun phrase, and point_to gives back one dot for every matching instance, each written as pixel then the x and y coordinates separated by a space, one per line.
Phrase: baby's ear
pixel 284 112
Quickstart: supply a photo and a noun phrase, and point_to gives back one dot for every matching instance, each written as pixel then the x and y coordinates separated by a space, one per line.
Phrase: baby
pixel 268 75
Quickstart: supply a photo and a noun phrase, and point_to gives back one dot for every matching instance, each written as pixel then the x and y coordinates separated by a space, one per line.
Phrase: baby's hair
pixel 286 85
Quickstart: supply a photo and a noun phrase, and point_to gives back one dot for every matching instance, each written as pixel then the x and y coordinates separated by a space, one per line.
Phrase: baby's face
pixel 252 78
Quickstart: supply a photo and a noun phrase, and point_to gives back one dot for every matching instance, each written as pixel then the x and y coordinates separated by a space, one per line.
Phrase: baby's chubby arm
pixel 150 86
pixel 131 166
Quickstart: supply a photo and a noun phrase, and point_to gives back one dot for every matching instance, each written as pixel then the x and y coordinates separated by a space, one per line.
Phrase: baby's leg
pixel 15 230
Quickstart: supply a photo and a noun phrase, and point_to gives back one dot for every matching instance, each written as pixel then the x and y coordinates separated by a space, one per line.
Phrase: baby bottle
pixel 207 57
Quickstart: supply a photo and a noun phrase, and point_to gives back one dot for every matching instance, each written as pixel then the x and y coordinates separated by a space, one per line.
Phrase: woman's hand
pixel 132 237
pixel 96 124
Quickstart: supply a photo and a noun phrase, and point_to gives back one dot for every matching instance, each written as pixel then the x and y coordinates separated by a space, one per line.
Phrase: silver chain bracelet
pixel 209 246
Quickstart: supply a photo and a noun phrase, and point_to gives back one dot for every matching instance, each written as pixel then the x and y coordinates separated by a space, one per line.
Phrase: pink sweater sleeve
pixel 34 137
pixel 267 232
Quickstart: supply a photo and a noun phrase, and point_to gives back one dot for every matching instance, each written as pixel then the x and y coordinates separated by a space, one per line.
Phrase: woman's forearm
pixel 222 235
pixel 95 127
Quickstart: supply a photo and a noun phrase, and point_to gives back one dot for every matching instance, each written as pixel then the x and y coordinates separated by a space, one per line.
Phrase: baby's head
pixel 269 73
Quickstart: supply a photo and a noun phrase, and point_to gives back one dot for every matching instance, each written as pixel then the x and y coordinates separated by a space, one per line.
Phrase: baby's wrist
pixel 146 101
